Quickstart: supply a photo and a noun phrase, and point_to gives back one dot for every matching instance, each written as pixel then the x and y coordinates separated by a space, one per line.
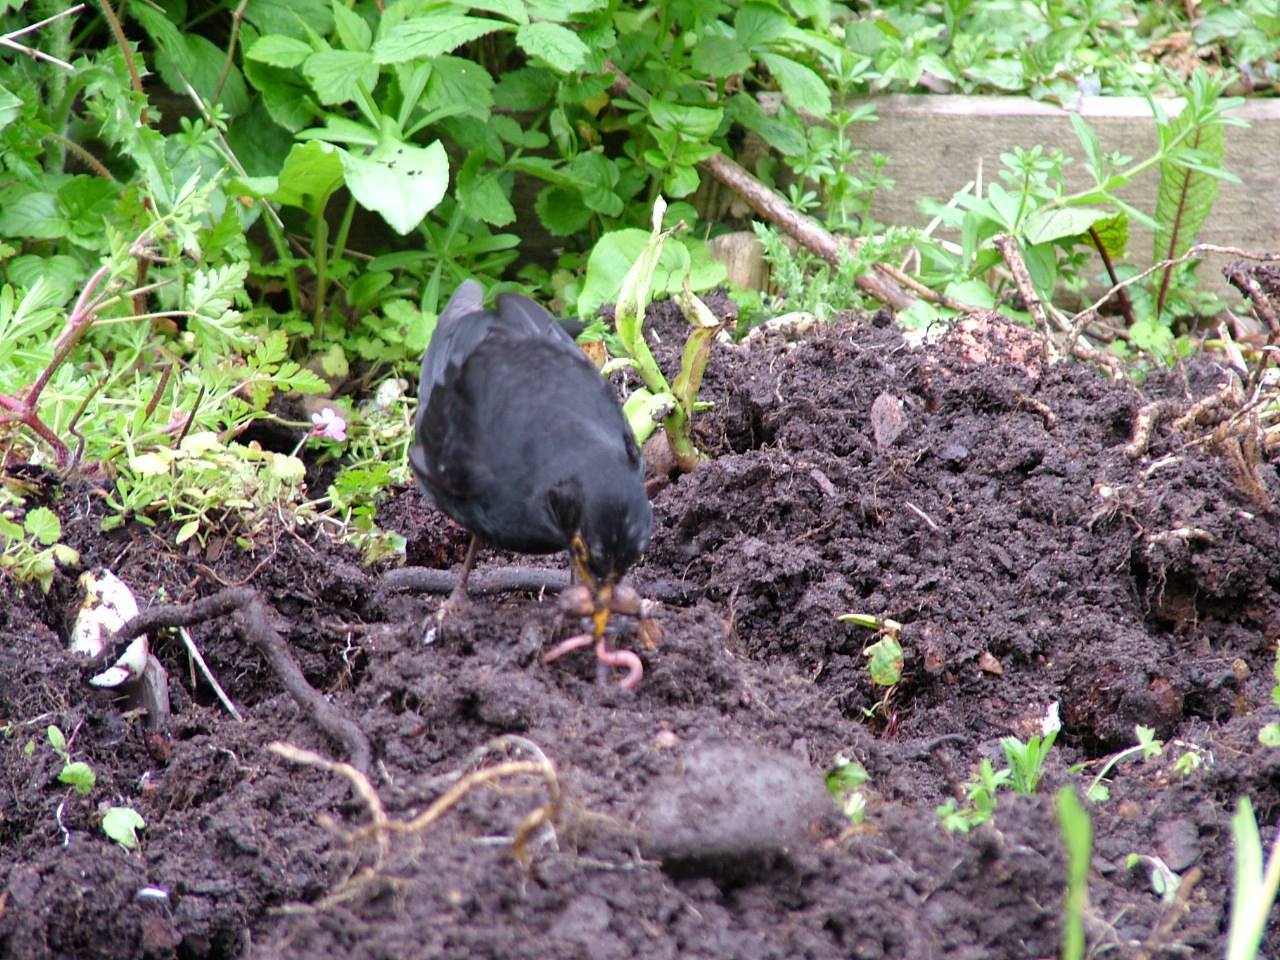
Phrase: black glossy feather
pixel 522 441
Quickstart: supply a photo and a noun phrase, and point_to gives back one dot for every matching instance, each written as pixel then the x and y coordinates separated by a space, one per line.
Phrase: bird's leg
pixel 457 601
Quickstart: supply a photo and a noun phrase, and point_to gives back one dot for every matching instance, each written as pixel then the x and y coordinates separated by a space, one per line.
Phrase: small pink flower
pixel 329 425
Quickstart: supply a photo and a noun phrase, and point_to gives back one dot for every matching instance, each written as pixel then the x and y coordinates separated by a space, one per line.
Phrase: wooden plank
pixel 937 144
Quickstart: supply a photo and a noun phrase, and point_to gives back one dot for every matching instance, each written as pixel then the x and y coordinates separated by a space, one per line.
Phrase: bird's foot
pixel 449 620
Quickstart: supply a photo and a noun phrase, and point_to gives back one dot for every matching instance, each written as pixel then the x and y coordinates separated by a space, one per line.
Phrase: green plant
pixel 1270 732
pixel 30 550
pixel 1077 838
pixel 74 773
pixel 1054 228
pixel 1146 748
pixel 845 781
pixel 122 824
pixel 1254 888
pixel 1026 760
pixel 980 799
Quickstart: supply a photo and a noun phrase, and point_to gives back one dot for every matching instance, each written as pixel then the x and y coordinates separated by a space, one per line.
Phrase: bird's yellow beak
pixel 600 593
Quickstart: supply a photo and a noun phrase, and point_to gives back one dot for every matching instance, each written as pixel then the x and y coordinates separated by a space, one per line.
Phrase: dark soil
pixel 966 490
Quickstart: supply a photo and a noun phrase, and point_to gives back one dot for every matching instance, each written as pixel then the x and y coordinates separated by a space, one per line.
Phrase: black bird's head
pixel 606 521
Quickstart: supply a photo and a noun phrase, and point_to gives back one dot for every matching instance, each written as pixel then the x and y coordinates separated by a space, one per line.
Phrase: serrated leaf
pixel 122 824
pixel 561 211
pixel 353 30
pixel 801 87
pixel 1185 195
pixel 43 524
pixel 340 76
pixel 458 85
pixel 757 24
pixel 278 51
pixel 716 55
pixel 884 661
pixel 430 36
pixel 480 193
pixel 10 107
pixel 399 181
pixel 784 138
pixel 558 46
pixel 696 123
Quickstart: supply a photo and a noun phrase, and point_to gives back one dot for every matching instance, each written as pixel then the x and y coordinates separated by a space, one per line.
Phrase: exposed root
pixel 515 579
pixel 380 829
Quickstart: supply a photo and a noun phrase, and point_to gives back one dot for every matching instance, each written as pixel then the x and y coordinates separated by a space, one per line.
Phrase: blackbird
pixel 520 440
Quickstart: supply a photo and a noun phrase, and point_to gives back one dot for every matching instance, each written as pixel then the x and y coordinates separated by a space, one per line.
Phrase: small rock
pixel 731 806
pixel 1178 842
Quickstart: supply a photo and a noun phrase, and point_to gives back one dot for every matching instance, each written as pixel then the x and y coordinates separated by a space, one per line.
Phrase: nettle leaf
pixel 339 76
pixel 562 211
pixel 1044 226
pixel 801 87
pixel 528 88
pixel 460 84
pixel 1186 195
pixel 480 193
pixel 278 51
pixel 558 46
pixel 352 29
pixel 719 56
pixel 431 35
pixel 563 9
pixel 292 18
pixel 286 98
pixel 10 107
pixel 402 183
pixel 512 9
pixel 757 24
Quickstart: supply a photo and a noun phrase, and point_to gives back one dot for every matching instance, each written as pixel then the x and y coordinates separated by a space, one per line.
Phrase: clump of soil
pixel 967 489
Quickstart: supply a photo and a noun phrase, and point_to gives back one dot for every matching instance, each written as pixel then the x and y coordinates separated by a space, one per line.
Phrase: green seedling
pixel 1146 748
pixel 1254 889
pixel 74 773
pixel 122 824
pixel 674 402
pixel 845 780
pixel 980 799
pixel 1163 880
pixel 1077 838
pixel 1026 760
pixel 30 551
pixel 884 657
pixel 1269 735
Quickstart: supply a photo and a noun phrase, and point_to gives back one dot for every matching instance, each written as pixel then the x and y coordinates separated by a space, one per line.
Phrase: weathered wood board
pixel 937 144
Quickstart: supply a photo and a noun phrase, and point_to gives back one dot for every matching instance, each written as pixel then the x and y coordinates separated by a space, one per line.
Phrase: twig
pixel 194 652
pixel 1008 248
pixel 359 782
pixel 256 627
pixel 1145 423
pixel 9 39
pixel 514 579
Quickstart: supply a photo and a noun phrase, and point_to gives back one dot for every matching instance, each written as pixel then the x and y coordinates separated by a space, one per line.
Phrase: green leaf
pixel 611 260
pixel 79 776
pixel 458 83
pixel 32 214
pixel 353 30
pixel 284 94
pixel 1186 196
pixel 884 661
pixel 782 136
pixel 696 123
pixel 528 88
pixel 1046 225
pixel 340 76
pixel 43 524
pixel 720 57
pixel 757 24
pixel 511 9
pixel 312 170
pixel 401 182
pixel 480 193
pixel 187 531
pixel 558 46
pixel 292 18
pixel 430 36
pixel 279 51
pixel 56 740
pixel 10 107
pixel 597 177
pixel 183 58
pixel 801 87
pixel 1113 232
pixel 562 211
pixel 122 824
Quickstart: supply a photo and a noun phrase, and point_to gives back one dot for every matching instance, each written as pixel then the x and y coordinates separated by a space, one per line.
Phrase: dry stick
pixel 258 630
pixel 1008 248
pixel 256 627
pixel 806 231
pixel 194 652
pixel 1145 423
pixel 1263 309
